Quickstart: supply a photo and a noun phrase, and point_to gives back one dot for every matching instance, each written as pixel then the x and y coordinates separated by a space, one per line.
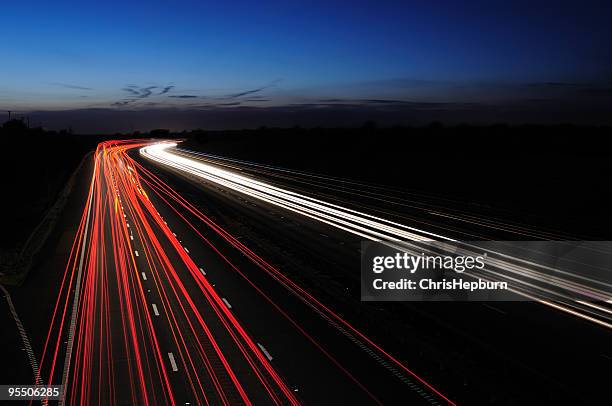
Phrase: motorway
pixel 159 304
pixel 584 291
pixel 547 349
pixel 198 279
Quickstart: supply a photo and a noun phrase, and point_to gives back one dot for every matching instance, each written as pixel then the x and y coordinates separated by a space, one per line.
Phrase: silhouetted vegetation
pixel 35 165
pixel 160 132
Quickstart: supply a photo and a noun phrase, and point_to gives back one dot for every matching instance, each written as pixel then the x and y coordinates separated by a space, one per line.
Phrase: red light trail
pixel 138 321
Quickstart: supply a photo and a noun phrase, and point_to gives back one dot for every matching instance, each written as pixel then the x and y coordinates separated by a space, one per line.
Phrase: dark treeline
pixel 35 166
pixel 545 175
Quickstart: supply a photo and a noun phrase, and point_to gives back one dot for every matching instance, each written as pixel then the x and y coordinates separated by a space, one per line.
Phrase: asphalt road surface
pixel 196 279
pixel 161 305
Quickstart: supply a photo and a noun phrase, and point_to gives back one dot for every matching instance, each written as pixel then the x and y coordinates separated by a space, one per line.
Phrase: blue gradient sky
pixel 68 55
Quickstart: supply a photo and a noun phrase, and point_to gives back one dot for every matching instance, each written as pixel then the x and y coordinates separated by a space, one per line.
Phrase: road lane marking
pixel 24 336
pixel 75 301
pixel 172 362
pixel 131 237
pixel 174 234
pixel 136 252
pixel 229 306
pixel 266 353
pixel 144 276
pixel 186 250
pixel 155 309
pixel 203 272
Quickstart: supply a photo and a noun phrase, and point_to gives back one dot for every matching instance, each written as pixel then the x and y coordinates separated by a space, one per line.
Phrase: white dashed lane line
pixel 229 306
pixel 155 311
pixel 203 272
pixel 136 253
pixel 172 362
pixel 266 353
pixel 186 250
pixel 144 276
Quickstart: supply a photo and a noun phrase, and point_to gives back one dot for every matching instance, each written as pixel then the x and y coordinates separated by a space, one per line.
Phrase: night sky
pixel 234 64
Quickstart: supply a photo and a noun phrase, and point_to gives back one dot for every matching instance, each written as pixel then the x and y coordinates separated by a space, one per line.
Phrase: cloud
pixel 252 91
pixel 70 86
pixel 335 102
pixel 146 92
pixel 552 85
pixel 566 92
pixel 166 89
pixel 248 92
pixel 404 83
pixel 131 90
pixel 136 93
pixel 214 116
pixel 382 101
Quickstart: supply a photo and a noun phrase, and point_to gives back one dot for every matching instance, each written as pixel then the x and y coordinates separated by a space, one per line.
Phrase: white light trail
pixel 532 281
pixel 362 224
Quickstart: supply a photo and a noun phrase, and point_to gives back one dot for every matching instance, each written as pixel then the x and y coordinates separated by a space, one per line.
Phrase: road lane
pixel 547 285
pixel 151 327
pixel 528 339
